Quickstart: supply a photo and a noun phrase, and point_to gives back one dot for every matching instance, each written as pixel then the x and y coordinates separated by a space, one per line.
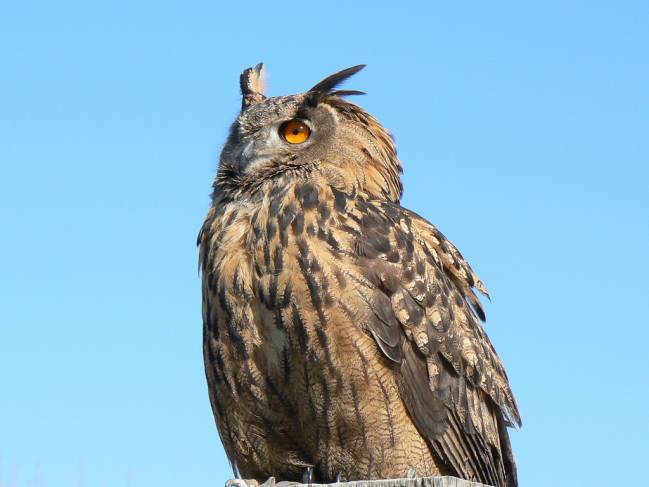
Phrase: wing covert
pixel 426 319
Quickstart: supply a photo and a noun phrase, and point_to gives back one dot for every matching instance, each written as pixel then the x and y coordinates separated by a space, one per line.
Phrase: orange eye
pixel 295 131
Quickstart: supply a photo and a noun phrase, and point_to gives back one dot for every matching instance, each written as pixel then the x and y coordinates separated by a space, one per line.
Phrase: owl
pixel 342 332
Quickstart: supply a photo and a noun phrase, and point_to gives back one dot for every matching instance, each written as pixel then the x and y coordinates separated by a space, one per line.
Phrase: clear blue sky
pixel 524 133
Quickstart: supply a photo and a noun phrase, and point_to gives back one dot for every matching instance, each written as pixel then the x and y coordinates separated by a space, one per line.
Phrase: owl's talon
pixel 269 483
pixel 243 483
pixel 411 473
pixel 307 476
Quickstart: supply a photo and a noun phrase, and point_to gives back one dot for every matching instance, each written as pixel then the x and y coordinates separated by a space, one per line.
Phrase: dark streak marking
pixel 283 401
pixel 287 366
pixel 324 212
pixel 371 220
pixel 333 243
pixel 307 194
pixel 278 259
pixel 359 418
pixel 469 279
pixel 480 312
pixel 363 249
pixel 388 410
pixel 350 230
pixel 340 200
pixel 286 296
pixel 355 218
pixel 300 327
pixel 217 405
pixel 271 230
pixel 414 310
pixel 211 359
pixel 322 235
pixel 210 280
pixel 298 224
pixel 340 277
pixel 307 387
pixel 316 299
pixel 259 291
pixel 310 279
pixel 213 322
pixel 380 243
pixel 326 395
pixel 303 250
pixel 314 265
pixel 283 237
pixel 221 366
pixel 272 290
pixel 366 365
pixel 236 338
pixel 393 256
pixel 328 298
pixel 391 211
pixel 286 217
pixel 274 207
pixel 223 301
pixel 279 320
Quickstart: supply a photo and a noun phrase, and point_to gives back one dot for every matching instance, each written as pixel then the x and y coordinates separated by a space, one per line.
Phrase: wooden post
pixel 414 482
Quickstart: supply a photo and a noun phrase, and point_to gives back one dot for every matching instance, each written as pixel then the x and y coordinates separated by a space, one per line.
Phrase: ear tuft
pixel 326 86
pixel 346 93
pixel 252 85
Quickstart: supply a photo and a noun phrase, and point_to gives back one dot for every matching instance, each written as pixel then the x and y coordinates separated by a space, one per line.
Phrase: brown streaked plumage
pixel 341 331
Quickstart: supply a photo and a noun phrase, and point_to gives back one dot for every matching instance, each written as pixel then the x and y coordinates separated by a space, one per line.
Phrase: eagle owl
pixel 342 332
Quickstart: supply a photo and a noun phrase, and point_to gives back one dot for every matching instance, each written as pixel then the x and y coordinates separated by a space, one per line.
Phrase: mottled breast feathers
pixel 391 273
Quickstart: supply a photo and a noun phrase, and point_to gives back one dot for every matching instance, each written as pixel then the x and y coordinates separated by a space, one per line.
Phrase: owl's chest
pixel 283 284
pixel 279 282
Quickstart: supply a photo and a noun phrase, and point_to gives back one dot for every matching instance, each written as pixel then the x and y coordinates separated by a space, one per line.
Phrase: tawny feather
pixel 342 332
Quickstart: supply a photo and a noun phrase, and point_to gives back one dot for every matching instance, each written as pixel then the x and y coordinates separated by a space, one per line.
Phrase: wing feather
pixel 426 317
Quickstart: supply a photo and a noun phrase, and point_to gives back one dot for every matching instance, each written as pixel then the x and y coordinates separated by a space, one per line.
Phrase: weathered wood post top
pixel 405 482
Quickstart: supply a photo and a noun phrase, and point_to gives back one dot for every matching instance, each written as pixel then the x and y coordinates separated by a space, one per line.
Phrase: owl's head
pixel 315 135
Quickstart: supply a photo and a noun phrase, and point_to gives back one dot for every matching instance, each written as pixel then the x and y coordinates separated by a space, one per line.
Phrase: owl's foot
pixel 247 483
pixel 307 476
pixel 411 473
